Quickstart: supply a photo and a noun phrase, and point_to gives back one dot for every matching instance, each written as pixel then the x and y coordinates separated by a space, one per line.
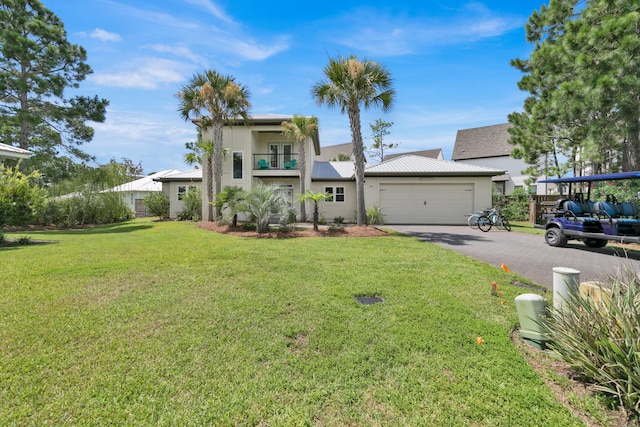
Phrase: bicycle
pixel 493 218
pixel 473 219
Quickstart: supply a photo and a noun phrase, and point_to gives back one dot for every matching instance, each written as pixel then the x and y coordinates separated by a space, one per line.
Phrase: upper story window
pixel 238 165
pixel 336 194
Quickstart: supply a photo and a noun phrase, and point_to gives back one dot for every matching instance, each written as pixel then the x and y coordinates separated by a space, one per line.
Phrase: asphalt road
pixel 525 254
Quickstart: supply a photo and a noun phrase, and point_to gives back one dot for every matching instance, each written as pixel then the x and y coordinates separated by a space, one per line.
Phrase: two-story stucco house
pixel 408 188
pixel 489 146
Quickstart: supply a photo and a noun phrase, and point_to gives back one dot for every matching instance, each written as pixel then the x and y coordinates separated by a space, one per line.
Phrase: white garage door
pixel 426 203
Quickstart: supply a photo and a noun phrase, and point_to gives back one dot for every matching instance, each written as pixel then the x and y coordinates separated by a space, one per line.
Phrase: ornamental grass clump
pixel 600 338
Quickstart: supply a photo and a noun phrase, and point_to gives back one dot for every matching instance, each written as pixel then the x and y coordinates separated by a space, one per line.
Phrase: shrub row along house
pixel 409 189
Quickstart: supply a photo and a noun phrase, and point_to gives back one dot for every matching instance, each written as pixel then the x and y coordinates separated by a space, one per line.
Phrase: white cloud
pixel 177 50
pixel 143 73
pixel 214 9
pixel 104 35
pixel 378 33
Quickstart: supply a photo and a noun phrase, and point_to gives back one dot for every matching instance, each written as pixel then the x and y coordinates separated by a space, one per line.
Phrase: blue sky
pixel 449 61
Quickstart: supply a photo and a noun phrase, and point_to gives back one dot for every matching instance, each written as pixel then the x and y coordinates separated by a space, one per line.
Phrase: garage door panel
pixel 426 203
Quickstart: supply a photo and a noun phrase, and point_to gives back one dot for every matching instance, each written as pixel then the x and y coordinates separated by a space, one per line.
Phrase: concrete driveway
pixel 525 254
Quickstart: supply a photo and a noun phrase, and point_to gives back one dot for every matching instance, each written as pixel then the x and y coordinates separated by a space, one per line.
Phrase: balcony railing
pixel 275 161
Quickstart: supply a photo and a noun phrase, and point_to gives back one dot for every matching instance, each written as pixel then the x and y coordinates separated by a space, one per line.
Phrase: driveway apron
pixel 525 254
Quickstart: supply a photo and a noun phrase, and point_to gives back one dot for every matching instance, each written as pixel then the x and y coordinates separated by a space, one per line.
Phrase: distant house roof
pixel 11 152
pixel 405 165
pixel 482 142
pixel 332 171
pixel 331 152
pixel 411 165
pixel 192 175
pixel 436 153
pixel 147 183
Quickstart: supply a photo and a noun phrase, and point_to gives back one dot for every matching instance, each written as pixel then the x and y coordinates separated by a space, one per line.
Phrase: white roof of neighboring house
pixel 11 152
pixel 332 171
pixel 192 175
pixel 146 183
pixel 419 165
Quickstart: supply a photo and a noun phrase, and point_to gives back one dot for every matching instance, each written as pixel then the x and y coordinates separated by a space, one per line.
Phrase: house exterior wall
pixel 332 209
pixel 255 140
pixel 170 189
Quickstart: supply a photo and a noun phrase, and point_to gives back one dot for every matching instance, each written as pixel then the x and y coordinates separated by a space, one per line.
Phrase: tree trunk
pixel 358 154
pixel 207 176
pixel 217 161
pixel 303 178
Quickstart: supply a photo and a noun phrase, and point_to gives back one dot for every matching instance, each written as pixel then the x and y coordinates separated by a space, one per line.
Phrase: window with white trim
pixel 183 189
pixel 336 194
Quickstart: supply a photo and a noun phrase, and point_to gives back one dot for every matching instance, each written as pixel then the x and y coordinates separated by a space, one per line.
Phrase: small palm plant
pixel 262 202
pixel 231 199
pixel 315 198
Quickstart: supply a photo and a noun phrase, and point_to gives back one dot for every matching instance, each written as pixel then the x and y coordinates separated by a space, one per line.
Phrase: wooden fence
pixel 538 203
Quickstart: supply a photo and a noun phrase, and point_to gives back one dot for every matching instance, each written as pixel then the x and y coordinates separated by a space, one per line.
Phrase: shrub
pixel 20 198
pixel 514 206
pixel 192 205
pixel 600 339
pixel 374 216
pixel 157 204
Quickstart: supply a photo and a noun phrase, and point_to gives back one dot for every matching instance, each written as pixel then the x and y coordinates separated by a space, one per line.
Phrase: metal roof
pixel 599 177
pixel 147 183
pixel 192 175
pixel 322 171
pixel 11 152
pixel 424 166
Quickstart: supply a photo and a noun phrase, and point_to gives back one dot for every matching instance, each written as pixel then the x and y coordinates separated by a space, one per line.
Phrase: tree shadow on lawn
pixel 89 229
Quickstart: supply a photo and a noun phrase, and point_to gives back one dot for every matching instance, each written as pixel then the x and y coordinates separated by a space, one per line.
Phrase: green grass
pixel 163 323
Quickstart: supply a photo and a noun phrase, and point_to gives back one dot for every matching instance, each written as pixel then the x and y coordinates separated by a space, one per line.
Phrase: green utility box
pixel 532 310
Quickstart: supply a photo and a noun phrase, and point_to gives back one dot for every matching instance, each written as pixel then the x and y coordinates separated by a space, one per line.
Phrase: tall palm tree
pixel 350 84
pixel 215 100
pixel 300 129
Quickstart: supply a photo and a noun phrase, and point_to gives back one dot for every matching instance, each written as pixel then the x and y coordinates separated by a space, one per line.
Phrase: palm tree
pixel 315 198
pixel 261 202
pixel 231 198
pixel 300 129
pixel 350 84
pixel 214 100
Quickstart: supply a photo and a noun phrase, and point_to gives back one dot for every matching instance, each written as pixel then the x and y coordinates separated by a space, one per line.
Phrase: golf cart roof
pixel 600 177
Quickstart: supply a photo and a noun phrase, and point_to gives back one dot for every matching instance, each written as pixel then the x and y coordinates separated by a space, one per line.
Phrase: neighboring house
pixel 134 192
pixel 488 146
pixel 331 152
pixel 11 152
pixel 176 185
pixel 436 153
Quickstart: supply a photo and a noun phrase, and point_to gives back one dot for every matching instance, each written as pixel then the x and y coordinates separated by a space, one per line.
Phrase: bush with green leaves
pixel 192 205
pixel 515 206
pixel 20 197
pixel 622 191
pixel 89 207
pixel 600 339
pixel 157 204
pixel 375 216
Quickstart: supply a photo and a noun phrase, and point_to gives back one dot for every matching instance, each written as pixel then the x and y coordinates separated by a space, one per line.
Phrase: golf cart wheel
pixel 484 223
pixel 595 243
pixel 554 237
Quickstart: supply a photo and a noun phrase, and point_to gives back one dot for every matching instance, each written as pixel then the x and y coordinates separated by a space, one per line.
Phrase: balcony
pixel 271 164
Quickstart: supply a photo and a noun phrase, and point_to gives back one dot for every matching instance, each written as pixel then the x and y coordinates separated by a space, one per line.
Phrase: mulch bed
pixel 308 231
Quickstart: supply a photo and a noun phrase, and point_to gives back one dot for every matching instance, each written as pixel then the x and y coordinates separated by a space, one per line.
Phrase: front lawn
pixel 165 323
